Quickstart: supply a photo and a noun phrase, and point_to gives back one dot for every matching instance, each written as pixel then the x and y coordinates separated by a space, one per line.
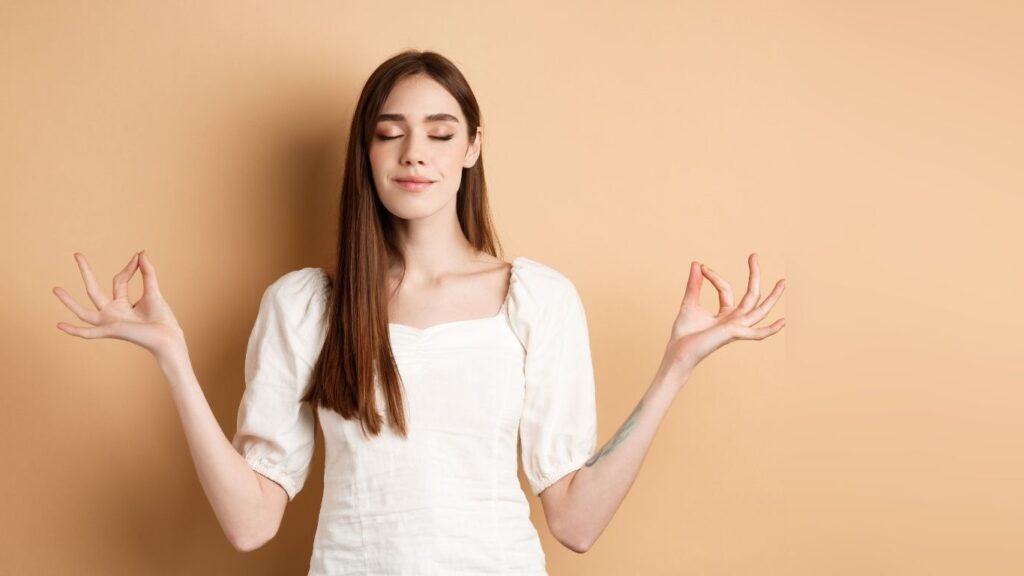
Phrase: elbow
pixel 578 546
pixel 582 546
pixel 248 542
pixel 244 545
pixel 575 542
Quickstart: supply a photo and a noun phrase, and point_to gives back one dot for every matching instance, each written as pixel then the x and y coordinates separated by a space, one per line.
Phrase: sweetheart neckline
pixel 433 327
pixel 497 316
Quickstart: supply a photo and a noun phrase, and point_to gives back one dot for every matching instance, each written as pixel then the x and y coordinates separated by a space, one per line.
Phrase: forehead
pixel 418 97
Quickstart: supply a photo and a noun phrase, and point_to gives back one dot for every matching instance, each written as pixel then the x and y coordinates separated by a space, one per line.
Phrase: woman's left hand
pixel 697 333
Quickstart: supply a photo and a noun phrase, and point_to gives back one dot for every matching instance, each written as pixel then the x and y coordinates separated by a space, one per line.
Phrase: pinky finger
pixel 89 332
pixel 749 333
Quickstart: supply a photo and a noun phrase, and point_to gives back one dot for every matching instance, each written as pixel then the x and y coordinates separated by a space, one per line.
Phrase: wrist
pixel 674 373
pixel 172 355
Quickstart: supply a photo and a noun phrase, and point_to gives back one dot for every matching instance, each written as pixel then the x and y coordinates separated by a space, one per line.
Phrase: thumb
pixel 150 286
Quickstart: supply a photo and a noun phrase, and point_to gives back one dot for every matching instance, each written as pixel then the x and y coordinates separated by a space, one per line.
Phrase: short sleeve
pixel 275 430
pixel 558 425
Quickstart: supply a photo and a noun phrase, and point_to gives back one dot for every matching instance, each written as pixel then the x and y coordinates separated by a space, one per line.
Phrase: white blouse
pixel 447 500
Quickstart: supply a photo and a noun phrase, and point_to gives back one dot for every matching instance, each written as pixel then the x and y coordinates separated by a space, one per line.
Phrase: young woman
pixel 424 357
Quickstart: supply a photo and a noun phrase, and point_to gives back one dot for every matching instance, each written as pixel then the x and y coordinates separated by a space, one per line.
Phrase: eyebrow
pixel 439 117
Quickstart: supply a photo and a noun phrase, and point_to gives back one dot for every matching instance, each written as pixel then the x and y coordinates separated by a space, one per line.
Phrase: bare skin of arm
pixel 581 504
pixel 248 506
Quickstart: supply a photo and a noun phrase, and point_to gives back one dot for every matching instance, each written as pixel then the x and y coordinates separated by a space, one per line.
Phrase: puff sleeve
pixel 558 425
pixel 275 431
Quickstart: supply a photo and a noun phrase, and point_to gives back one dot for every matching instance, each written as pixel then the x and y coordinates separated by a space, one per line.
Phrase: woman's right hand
pixel 148 323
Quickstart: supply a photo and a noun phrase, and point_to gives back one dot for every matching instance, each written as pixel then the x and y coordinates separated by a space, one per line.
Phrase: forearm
pixel 599 487
pixel 231 485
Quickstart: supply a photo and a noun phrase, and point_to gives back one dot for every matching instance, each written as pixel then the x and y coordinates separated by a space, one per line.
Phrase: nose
pixel 412 154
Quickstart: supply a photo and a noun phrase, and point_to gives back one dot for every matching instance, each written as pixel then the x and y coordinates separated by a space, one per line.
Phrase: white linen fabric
pixel 447 499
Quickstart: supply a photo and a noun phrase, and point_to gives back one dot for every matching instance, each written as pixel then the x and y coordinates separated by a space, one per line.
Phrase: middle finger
pixel 91 287
pixel 762 309
pixel 753 284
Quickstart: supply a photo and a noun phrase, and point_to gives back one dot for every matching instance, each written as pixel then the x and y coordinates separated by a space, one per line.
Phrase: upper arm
pixel 273 502
pixel 558 421
pixel 552 499
pixel 275 428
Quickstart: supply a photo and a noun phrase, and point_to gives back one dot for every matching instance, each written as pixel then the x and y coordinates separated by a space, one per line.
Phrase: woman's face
pixel 420 133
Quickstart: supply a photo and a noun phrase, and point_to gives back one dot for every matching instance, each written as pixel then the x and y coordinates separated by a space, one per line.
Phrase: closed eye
pixel 382 137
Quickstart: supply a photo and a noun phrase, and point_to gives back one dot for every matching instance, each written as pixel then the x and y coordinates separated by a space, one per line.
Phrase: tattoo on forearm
pixel 621 435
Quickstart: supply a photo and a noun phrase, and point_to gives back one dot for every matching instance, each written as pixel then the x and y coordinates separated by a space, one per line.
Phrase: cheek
pixel 453 161
pixel 378 161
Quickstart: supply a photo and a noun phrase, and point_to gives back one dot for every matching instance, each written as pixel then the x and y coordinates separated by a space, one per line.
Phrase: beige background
pixel 869 152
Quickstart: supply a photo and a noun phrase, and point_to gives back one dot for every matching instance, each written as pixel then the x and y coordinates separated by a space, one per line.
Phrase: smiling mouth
pixel 412 184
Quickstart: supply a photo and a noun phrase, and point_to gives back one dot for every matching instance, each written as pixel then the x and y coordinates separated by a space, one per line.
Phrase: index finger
pixel 124 276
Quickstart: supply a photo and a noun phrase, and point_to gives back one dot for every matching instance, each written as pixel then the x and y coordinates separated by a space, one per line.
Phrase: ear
pixel 473 152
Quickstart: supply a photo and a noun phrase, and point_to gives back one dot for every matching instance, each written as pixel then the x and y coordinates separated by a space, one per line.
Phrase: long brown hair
pixel 358 345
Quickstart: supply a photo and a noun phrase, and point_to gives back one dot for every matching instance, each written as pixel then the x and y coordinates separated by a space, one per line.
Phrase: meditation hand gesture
pixel 148 323
pixel 697 333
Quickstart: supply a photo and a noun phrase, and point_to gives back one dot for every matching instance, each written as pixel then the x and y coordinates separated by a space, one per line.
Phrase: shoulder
pixel 298 295
pixel 301 284
pixel 540 284
pixel 540 299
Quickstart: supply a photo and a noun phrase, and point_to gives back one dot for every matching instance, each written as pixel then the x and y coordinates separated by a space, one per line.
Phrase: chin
pixel 411 208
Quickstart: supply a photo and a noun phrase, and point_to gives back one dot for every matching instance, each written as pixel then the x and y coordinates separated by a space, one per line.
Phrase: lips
pixel 414 179
pixel 413 184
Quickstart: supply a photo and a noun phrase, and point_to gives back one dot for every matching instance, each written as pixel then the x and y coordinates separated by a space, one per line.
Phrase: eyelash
pixel 381 137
